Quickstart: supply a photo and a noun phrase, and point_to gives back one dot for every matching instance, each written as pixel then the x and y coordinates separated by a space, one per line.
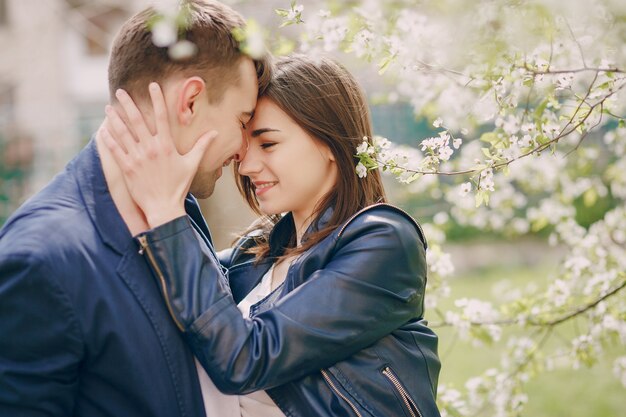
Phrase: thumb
pixel 194 156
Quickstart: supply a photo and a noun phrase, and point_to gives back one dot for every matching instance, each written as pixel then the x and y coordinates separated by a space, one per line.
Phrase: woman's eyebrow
pixel 258 132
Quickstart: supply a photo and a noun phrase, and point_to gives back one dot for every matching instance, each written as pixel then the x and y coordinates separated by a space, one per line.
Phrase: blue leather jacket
pixel 344 335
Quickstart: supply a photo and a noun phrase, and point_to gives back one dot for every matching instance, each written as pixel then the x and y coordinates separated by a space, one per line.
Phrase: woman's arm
pixel 373 284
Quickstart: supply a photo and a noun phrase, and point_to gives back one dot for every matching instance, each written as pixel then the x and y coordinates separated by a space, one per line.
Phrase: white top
pixel 257 404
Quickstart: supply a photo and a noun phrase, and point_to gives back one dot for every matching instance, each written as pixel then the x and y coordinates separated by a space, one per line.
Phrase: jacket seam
pixel 384 205
pixel 206 318
pixel 158 234
pixel 63 296
pixel 423 357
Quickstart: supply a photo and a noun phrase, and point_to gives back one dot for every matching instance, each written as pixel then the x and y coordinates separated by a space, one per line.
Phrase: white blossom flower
pixel 564 81
pixel 438 122
pixel 381 142
pixel 295 11
pixel 439 262
pixel 465 188
pixel 361 42
pixel 363 147
pixel 164 33
pixel 255 44
pixel 361 170
pixel 619 369
pixel 559 292
pixel 182 50
pixel 323 13
pixel 456 143
pixel 445 152
pixel 441 218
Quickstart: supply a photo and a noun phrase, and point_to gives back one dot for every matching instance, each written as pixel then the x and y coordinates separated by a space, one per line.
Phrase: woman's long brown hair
pixel 327 102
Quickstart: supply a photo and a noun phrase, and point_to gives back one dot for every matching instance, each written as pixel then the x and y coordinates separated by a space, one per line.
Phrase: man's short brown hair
pixel 135 61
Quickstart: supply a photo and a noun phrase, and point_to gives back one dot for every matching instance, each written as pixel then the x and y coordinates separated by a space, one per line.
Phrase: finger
pixel 194 156
pixel 160 113
pixel 137 123
pixel 106 126
pixel 118 130
pixel 121 158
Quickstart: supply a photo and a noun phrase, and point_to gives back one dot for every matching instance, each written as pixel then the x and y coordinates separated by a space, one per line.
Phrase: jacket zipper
pixel 336 391
pixel 406 398
pixel 143 241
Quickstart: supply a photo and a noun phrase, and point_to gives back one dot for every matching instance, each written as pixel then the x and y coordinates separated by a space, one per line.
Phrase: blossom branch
pixel 549 323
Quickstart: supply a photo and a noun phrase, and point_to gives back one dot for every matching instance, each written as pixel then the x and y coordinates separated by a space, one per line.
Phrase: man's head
pixel 215 89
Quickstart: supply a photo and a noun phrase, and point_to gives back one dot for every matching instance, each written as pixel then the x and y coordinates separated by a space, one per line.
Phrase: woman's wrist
pixel 164 215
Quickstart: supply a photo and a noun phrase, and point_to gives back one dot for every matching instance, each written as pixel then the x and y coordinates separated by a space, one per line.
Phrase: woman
pixel 323 308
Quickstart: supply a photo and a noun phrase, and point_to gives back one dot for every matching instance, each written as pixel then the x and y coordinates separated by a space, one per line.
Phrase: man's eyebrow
pixel 258 132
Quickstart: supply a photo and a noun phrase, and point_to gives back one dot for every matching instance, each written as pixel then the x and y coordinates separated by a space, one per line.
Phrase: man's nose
pixel 241 152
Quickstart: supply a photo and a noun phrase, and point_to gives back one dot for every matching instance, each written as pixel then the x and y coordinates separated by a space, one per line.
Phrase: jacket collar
pixel 87 167
pixel 280 234
pixel 106 218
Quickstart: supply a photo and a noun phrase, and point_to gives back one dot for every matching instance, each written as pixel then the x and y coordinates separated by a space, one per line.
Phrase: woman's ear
pixel 191 91
pixel 330 155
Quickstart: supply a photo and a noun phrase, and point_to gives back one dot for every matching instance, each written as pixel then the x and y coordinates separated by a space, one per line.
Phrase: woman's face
pixel 290 170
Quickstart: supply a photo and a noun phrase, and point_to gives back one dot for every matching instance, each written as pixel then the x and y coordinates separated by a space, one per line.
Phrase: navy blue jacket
pixel 83 327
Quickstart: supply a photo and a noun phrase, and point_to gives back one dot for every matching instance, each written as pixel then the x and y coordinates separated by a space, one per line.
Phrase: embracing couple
pixel 113 301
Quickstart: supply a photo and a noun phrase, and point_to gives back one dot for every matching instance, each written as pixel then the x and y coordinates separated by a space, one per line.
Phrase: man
pixel 84 329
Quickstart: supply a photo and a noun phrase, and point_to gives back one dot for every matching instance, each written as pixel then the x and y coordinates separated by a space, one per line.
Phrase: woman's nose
pixel 250 163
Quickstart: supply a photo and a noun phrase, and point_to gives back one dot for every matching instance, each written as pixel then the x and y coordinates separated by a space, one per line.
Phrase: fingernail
pixel 153 86
pixel 119 93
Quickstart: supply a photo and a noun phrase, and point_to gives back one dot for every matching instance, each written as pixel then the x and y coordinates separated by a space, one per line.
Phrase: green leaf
pixel 481 334
pixel 285 46
pixel 539 224
pixel 479 198
pixel 489 137
pixel 383 66
pixel 590 197
pixel 486 152
pixel 413 177
pixel 541 108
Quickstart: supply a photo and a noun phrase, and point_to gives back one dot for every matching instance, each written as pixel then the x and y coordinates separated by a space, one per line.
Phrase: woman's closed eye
pixel 267 145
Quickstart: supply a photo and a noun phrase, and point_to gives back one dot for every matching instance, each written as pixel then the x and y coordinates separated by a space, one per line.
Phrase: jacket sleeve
pixel 373 284
pixel 40 346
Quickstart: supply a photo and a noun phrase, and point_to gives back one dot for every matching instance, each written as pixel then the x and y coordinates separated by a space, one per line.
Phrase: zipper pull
pixel 143 242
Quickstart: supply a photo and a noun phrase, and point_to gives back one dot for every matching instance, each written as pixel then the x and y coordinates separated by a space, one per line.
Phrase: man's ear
pixel 192 89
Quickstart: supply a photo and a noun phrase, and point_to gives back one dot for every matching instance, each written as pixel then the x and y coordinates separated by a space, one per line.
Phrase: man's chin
pixel 203 185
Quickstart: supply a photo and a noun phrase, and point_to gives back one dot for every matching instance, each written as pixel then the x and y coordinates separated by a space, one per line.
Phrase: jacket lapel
pixel 133 270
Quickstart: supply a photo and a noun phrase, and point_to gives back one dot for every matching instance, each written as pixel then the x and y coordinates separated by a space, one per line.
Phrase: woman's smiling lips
pixel 261 187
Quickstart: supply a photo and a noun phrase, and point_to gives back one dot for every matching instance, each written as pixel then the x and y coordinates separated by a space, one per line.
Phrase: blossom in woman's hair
pixel 361 171
pixel 363 147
